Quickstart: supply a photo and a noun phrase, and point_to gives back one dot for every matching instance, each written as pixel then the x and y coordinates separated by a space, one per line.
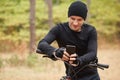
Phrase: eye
pixel 79 20
pixel 72 18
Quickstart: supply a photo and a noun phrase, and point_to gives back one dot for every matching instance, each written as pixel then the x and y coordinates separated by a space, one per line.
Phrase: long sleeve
pixel 91 49
pixel 44 44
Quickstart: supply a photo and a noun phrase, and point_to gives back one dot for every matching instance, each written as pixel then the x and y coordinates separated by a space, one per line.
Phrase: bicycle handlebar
pixel 99 65
pixel 103 65
pixel 39 51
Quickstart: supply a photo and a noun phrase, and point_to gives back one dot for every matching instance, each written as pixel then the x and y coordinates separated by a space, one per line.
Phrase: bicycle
pixel 93 64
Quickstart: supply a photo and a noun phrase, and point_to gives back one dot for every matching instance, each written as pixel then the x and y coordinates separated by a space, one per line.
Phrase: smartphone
pixel 71 49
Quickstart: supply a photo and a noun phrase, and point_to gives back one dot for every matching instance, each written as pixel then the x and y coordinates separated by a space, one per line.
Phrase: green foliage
pixel 104 16
pixel 31 60
pixel 14 19
pixel 40 34
pixel 58 2
pixel 1 62
pixel 13 61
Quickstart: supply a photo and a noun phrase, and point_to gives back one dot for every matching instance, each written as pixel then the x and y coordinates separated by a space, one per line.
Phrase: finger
pixel 67 54
pixel 71 62
pixel 73 55
pixel 72 59
pixel 65 58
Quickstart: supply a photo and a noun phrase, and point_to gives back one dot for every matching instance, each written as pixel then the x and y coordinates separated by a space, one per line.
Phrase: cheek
pixel 70 23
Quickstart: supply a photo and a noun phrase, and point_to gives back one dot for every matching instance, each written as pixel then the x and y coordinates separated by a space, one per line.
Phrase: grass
pixel 47 69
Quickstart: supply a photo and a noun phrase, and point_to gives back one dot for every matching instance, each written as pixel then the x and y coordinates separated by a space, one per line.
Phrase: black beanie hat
pixel 78 8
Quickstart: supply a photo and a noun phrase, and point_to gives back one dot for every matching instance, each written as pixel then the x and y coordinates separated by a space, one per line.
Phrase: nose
pixel 75 22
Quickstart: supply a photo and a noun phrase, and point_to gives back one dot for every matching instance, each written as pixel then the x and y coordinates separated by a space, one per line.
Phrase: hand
pixel 59 52
pixel 73 60
pixel 66 56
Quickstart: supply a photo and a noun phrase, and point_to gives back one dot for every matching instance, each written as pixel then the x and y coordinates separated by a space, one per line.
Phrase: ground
pixel 54 70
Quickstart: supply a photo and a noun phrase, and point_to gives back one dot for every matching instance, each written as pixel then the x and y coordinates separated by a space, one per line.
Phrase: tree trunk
pixel 50 17
pixel 88 15
pixel 32 25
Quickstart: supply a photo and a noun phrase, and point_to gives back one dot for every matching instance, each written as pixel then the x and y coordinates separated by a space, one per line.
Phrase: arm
pixel 44 44
pixel 91 49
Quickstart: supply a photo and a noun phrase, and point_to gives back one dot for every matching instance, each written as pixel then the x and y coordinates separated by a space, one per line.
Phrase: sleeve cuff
pixel 56 56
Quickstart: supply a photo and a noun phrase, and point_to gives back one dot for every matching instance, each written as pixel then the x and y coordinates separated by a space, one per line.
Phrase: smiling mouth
pixel 75 27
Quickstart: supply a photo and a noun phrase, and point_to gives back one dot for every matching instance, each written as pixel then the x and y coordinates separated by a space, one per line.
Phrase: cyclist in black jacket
pixel 74 32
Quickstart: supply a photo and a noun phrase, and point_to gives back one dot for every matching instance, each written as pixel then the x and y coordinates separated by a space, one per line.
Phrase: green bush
pixel 13 61
pixel 1 62
pixel 31 60
pixel 14 19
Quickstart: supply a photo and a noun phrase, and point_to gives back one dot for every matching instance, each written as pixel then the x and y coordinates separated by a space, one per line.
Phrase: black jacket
pixel 86 48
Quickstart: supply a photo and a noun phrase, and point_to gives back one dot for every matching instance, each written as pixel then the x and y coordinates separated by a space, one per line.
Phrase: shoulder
pixel 61 26
pixel 89 27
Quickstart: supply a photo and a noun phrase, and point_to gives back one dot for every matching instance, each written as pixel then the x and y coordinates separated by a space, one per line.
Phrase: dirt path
pixel 109 56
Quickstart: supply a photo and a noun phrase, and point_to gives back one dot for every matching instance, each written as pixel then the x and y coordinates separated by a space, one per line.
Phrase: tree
pixel 50 17
pixel 88 15
pixel 32 25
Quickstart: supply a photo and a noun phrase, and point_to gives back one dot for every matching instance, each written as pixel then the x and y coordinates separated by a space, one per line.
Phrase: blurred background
pixel 23 23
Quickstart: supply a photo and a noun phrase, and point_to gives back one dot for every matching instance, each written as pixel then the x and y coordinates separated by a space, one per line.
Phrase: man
pixel 77 33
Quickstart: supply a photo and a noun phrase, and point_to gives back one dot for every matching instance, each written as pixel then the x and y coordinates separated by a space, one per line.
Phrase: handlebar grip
pixel 39 51
pixel 103 65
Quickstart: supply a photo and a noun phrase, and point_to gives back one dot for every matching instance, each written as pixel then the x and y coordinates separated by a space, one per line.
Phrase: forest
pixel 23 23
pixel 15 26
